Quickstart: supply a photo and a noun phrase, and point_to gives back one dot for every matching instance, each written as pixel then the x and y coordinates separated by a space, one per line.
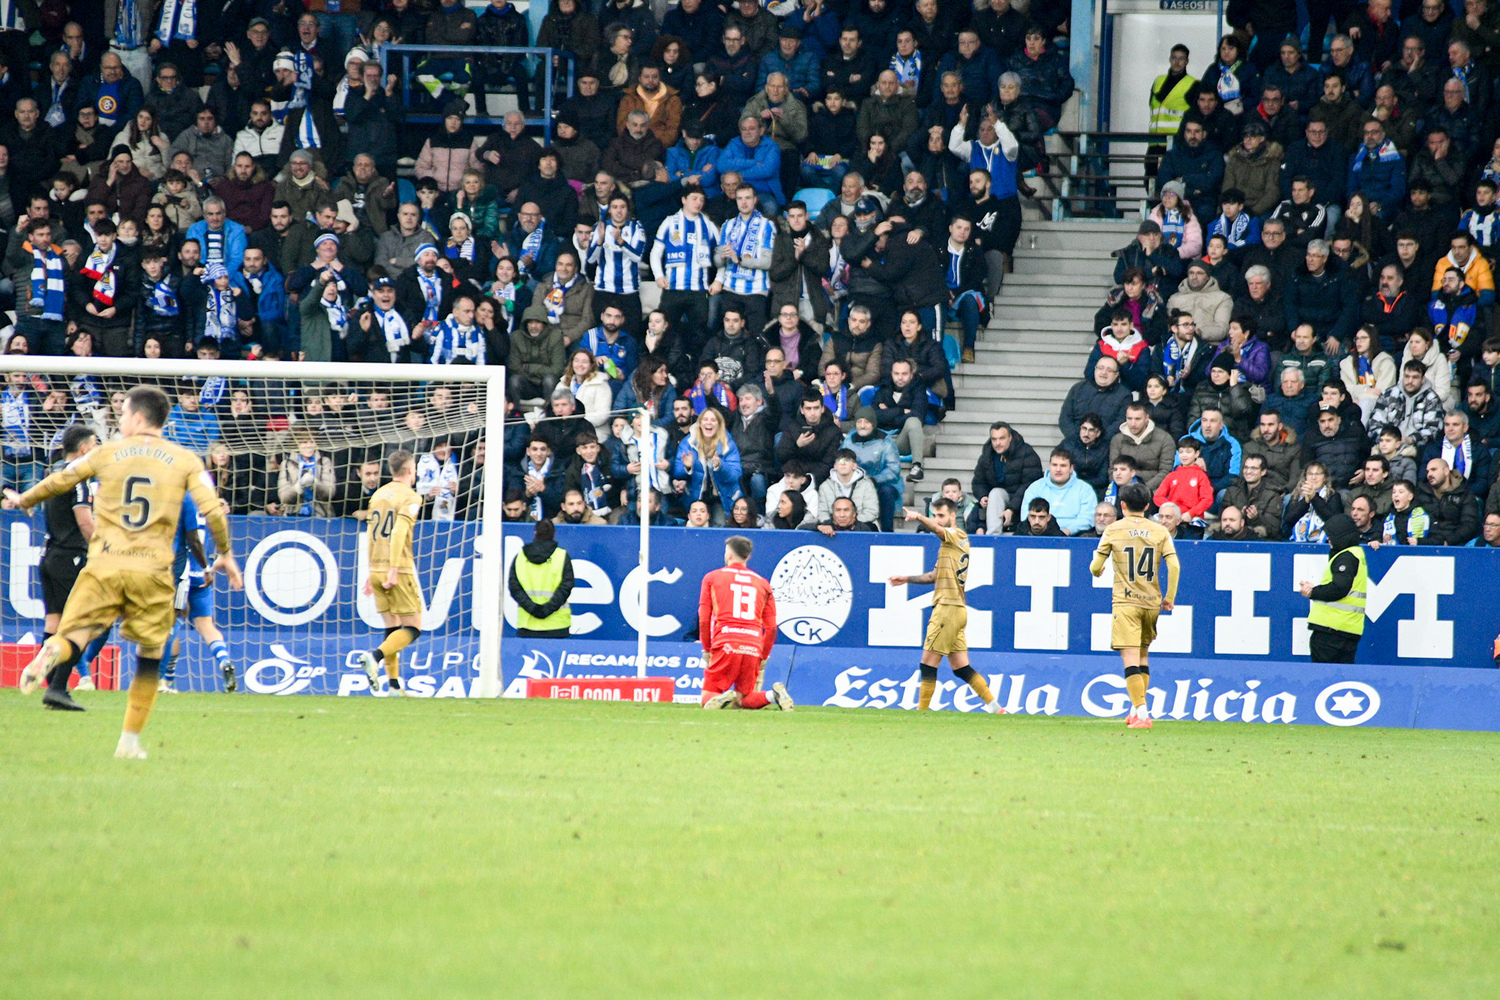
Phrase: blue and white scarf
pixel 1309 527
pixel 908 71
pixel 15 420
pixel 128 26
pixel 307 132
pixel 556 300
pixel 532 246
pixel 1229 86
pixel 432 294
pixel 1235 231
pixel 48 288
pixel 338 315
pixel 541 471
pixel 452 343
pixel 1385 154
pixel 163 300
pixel 595 487
pixel 309 467
pixel 223 317
pixel 393 328
pixel 1173 227
pixel 1176 364
pixel 179 21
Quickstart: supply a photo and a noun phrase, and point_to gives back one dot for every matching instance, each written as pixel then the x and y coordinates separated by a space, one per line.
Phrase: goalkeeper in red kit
pixel 737 625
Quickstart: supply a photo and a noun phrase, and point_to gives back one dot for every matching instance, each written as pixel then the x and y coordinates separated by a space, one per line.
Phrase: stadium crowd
pixel 1305 324
pixel 808 193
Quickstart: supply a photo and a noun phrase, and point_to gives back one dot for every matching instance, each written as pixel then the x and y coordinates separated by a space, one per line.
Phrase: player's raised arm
pixel 61 481
pixel 201 489
pixel 911 514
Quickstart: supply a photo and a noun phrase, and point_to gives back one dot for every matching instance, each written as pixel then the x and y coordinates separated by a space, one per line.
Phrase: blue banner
pixel 1182 688
pixel 302 617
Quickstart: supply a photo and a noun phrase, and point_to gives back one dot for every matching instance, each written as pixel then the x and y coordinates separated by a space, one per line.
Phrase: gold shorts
pixel 146 601
pixel 402 599
pixel 945 630
pixel 1133 628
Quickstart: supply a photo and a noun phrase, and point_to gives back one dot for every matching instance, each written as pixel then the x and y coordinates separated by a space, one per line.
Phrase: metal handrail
pixel 1068 170
pixel 547 56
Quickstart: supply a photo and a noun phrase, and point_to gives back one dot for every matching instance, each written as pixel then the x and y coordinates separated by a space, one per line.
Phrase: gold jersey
pixel 393 513
pixel 141 483
pixel 952 567
pixel 1140 549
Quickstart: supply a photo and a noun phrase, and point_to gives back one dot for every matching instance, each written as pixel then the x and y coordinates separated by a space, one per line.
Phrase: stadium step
pixel 1035 347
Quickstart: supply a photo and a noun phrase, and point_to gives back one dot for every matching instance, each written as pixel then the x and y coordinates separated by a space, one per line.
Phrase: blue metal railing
pixel 547 76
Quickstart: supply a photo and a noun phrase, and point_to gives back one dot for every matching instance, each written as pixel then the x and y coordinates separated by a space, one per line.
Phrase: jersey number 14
pixel 1142 567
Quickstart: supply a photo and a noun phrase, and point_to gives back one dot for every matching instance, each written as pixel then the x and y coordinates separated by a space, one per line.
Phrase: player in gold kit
pixel 945 629
pixel 142 479
pixel 393 571
pixel 1139 549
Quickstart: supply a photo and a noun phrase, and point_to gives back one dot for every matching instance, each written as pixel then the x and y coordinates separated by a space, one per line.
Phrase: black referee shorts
pixel 59 573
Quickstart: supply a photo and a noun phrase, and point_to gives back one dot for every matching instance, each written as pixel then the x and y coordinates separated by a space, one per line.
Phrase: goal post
pixel 254 422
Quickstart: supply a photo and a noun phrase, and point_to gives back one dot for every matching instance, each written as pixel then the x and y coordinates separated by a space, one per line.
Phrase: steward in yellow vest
pixel 1337 616
pixel 1170 94
pixel 541 581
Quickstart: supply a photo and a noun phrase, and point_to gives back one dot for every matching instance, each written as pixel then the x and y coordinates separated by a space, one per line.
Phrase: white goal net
pixel 295 451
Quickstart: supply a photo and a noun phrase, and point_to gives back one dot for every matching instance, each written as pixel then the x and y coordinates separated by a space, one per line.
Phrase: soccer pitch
pixel 322 847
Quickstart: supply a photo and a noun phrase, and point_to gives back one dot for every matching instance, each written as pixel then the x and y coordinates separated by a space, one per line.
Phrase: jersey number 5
pixel 137 496
pixel 1141 567
pixel 744 601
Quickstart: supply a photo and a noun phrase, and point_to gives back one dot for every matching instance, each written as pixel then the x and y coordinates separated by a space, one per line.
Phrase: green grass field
pixel 321 847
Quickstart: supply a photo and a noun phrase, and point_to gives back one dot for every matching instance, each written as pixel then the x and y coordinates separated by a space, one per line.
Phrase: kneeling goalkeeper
pixel 393 571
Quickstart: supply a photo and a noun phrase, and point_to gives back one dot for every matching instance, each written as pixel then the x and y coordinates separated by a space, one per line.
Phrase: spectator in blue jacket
pixel 1378 170
pixel 1072 500
pixel 803 69
pixel 694 160
pixel 819 26
pixel 707 451
pixel 757 161
pixel 1200 168
pixel 978 66
pixel 263 286
pixel 1302 85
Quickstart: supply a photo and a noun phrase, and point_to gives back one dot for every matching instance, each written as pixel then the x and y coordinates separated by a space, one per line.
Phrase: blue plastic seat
pixel 814 199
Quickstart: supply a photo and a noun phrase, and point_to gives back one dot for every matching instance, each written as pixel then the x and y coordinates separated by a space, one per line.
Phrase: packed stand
pixel 1305 324
pixel 810 194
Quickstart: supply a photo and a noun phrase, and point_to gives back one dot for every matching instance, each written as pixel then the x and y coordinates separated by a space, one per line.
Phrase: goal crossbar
pixel 490 619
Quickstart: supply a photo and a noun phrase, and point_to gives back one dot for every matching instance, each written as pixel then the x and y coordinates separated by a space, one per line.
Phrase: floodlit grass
pixel 320 847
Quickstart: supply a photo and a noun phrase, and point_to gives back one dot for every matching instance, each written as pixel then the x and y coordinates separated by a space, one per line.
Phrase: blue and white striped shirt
pixel 683 252
pixel 751 239
pixel 617 266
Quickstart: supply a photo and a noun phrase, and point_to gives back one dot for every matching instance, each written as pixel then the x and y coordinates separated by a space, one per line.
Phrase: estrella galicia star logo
pixel 1347 703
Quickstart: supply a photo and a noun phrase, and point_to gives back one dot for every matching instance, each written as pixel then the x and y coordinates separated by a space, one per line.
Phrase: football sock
pixel 169 661
pixel 91 652
pixel 142 694
pixel 220 649
pixel 1136 685
pixel 972 677
pixel 393 669
pixel 395 641
pixel 62 666
pixel 929 685
pixel 755 699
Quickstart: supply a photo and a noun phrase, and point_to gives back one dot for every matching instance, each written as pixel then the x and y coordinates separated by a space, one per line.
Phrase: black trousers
pixel 1328 646
pixel 687 312
pixel 544 633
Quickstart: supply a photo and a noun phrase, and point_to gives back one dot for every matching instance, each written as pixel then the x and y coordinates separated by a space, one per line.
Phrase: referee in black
pixel 70 525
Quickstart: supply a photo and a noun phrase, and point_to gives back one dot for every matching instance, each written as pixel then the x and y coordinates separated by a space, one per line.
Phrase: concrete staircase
pixel 1040 335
